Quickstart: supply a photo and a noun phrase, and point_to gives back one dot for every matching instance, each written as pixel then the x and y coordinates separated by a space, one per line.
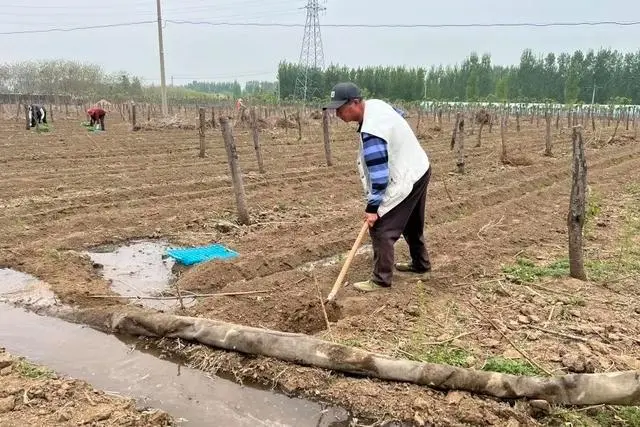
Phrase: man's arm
pixel 376 160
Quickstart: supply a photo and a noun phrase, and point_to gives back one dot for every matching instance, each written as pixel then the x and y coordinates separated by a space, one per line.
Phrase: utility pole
pixel 163 83
pixel 593 96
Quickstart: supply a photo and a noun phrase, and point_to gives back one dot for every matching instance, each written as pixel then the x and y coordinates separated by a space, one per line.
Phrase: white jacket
pixel 408 162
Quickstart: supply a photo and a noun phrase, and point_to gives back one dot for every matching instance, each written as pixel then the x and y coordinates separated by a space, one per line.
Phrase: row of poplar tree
pixel 565 77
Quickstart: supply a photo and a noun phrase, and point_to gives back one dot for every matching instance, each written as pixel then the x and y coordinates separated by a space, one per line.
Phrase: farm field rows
pixel 498 244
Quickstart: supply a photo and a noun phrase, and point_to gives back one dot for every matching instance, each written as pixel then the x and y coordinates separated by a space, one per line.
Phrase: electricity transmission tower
pixel 311 53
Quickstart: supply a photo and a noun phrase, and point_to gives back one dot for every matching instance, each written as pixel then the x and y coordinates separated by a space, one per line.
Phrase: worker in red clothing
pixel 96 115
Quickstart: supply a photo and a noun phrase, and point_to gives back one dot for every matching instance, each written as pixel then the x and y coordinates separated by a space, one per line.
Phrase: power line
pixel 90 27
pixel 470 25
pixel 273 24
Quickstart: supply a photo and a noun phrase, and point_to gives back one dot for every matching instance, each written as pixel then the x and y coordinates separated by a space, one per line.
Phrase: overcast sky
pixel 247 53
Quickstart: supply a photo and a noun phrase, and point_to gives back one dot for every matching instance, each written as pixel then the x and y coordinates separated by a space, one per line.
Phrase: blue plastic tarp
pixel 190 256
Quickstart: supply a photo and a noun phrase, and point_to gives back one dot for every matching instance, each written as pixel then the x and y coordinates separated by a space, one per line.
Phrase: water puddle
pixel 140 269
pixel 23 289
pixel 108 363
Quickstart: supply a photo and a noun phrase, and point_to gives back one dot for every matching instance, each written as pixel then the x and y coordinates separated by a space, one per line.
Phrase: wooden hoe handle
pixel 347 263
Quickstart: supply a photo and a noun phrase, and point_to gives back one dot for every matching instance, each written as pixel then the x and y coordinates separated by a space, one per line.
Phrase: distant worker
pixel 96 115
pixel 37 114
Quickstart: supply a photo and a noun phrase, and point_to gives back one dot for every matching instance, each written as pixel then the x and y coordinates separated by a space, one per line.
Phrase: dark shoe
pixel 407 267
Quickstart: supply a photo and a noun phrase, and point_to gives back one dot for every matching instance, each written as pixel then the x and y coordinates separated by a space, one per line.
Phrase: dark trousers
pixel 100 119
pixel 406 219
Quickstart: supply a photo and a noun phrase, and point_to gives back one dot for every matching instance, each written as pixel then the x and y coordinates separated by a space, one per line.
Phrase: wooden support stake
pixel 134 126
pixel 26 117
pixel 236 173
pixel 460 142
pixel 577 206
pixel 327 139
pixel 201 133
pixel 503 130
pixel 547 145
pixel 299 122
pixel 256 138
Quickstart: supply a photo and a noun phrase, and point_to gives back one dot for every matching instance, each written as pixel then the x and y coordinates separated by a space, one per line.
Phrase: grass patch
pixel 526 271
pixel 599 270
pixel 29 370
pixel 510 366
pixel 351 342
pixel 609 416
pixel 440 354
pixel 418 350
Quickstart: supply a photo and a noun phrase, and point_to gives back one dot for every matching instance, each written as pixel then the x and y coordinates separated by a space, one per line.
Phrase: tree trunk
pixel 299 123
pixel 201 132
pixel 613 388
pixel 236 173
pixel 503 130
pixel 615 130
pixel 518 121
pixel 256 139
pixel 454 133
pixel 479 143
pixel 26 117
pixel 460 142
pixel 547 146
pixel 327 137
pixel 577 206
pixel 134 126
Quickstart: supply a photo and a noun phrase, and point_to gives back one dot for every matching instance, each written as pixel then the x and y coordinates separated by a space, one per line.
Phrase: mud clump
pixel 308 318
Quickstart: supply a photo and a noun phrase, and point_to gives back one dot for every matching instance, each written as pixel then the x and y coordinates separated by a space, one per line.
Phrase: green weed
pixel 28 370
pixel 510 366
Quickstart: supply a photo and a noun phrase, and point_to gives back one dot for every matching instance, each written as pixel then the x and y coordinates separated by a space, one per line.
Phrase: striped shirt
pixel 376 159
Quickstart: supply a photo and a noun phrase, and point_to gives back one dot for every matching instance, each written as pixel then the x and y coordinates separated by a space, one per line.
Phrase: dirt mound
pixel 308 318
pixel 174 122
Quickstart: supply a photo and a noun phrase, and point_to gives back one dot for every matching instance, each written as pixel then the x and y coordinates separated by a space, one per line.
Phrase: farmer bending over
pixel 395 173
pixel 37 114
pixel 96 114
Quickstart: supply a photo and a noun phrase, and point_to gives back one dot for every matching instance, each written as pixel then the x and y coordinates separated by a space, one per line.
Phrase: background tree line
pixel 565 78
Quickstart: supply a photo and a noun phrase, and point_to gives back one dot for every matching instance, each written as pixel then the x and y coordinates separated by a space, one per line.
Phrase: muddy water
pixel 139 269
pixel 110 364
pixel 20 288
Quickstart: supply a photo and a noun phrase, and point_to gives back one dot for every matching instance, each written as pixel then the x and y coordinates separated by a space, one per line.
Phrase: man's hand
pixel 371 218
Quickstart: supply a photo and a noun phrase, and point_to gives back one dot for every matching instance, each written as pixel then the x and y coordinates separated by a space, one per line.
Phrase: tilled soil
pixel 67 190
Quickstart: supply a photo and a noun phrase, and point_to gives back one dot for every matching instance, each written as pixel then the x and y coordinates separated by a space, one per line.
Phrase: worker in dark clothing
pixel 37 114
pixel 395 172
